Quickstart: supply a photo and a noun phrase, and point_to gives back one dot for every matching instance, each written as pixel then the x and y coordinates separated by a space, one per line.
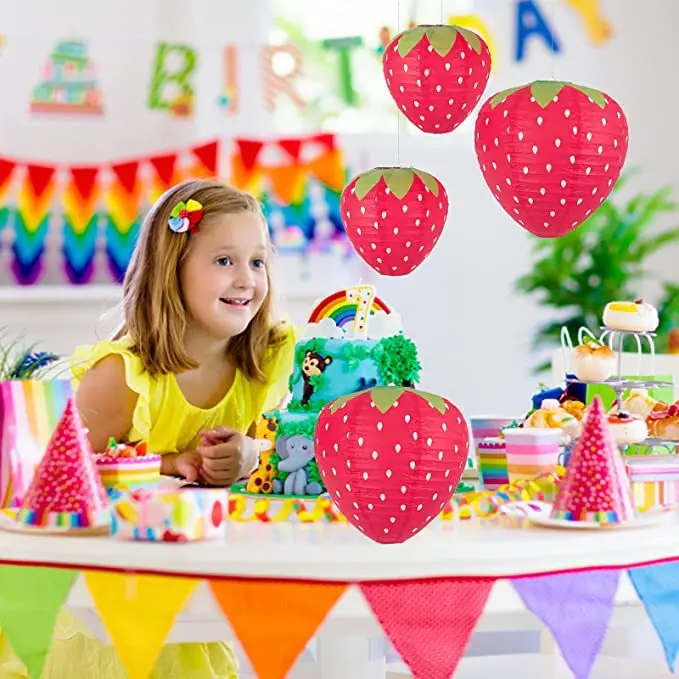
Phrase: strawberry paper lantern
pixel 437 75
pixel 551 153
pixel 394 216
pixel 391 457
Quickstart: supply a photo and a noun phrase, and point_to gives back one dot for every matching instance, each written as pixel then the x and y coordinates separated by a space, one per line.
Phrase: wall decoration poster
pixel 68 84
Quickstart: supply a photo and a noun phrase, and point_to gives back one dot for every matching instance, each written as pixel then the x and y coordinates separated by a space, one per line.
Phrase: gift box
pixel 654 480
pixel 29 413
pixel 187 514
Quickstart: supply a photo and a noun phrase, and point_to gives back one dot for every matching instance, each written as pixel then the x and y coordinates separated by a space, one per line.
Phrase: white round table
pixel 338 552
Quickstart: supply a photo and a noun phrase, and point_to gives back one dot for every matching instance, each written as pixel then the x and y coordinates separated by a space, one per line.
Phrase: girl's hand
pixel 186 465
pixel 228 455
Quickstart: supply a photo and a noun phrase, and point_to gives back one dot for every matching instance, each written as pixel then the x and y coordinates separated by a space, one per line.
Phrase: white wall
pixel 474 333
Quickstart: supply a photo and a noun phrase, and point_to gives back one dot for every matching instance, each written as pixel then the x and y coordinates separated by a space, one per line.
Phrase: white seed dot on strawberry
pixel 520 136
pixel 525 170
pixel 383 497
pixel 600 150
pixel 540 120
pixel 546 224
pixel 403 508
pixel 543 191
pixel 334 471
pixel 404 490
pixel 603 122
pixel 594 191
pixel 572 159
pixel 440 454
pixel 370 506
pixel 412 464
pixel 606 167
pixel 348 487
pixel 515 199
pixel 563 183
pixel 530 201
pixel 375 455
pixel 419 508
pixel 416 104
pixel 589 136
pixel 575 130
pixel 392 519
pixel 428 476
pixel 579 201
pixel 460 80
pixel 360 441
pixel 588 171
pixel 337 493
pixel 447 66
pixel 387 473
pixel 415 435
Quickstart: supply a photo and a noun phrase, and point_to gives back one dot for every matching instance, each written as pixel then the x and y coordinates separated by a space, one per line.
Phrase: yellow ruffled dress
pixel 168 423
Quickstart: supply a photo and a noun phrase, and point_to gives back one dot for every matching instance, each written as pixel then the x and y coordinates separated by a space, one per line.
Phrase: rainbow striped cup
pixel 531 452
pixel 487 426
pixel 492 461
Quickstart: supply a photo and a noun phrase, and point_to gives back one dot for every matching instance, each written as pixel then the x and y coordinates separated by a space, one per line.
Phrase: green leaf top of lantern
pixel 398 179
pixel 441 38
pixel 385 397
pixel 544 91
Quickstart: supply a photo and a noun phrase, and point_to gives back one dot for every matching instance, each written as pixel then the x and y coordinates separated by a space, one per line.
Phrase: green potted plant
pixel 18 362
pixel 603 260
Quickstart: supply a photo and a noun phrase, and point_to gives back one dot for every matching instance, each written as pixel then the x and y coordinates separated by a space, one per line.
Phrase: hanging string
pixel 441 12
pixel 553 22
pixel 398 112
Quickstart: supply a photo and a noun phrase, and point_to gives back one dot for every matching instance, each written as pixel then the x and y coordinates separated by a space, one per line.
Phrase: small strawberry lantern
pixel 437 75
pixel 551 153
pixel 394 216
pixel 391 457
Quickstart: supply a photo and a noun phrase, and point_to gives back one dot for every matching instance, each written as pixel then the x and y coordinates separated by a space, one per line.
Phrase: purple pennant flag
pixel 576 608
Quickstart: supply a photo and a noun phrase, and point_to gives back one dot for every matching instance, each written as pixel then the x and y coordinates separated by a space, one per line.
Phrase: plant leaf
pixel 500 97
pixel 367 181
pixel 399 180
pixel 429 181
pixel 441 38
pixel 472 38
pixel 409 39
pixel 385 397
pixel 544 91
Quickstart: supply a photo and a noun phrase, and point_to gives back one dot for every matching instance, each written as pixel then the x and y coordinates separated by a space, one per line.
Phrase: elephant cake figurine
pixel 351 342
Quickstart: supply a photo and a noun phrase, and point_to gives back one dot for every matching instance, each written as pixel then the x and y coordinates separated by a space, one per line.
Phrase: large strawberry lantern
pixel 394 216
pixel 437 75
pixel 551 153
pixel 391 457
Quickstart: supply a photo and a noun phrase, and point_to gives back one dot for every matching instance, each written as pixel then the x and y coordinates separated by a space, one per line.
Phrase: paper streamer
pixel 576 608
pixel 80 201
pixel 290 612
pixel 31 223
pixel 30 601
pixel 123 219
pixel 138 612
pixel 530 21
pixel 658 589
pixel 429 622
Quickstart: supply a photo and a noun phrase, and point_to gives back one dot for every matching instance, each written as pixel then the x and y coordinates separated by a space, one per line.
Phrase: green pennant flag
pixel 30 599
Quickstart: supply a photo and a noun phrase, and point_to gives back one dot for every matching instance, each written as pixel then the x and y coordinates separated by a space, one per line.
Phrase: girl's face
pixel 223 277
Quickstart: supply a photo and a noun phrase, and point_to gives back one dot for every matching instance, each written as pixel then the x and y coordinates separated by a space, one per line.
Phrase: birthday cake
pixel 128 466
pixel 352 341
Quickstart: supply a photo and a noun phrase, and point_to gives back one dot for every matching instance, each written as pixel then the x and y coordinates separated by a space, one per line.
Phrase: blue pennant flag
pixel 658 588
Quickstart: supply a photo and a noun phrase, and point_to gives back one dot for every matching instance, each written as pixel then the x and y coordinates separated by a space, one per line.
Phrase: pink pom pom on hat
pixel 66 491
pixel 596 488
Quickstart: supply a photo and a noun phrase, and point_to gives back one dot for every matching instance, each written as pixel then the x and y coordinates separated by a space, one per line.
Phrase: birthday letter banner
pixel 428 622
pixel 86 219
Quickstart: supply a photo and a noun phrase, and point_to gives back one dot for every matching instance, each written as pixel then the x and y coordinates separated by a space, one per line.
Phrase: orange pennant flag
pixel 329 169
pixel 287 182
pixel 255 605
pixel 244 179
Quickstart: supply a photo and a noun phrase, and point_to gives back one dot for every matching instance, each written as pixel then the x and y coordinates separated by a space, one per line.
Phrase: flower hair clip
pixel 186 216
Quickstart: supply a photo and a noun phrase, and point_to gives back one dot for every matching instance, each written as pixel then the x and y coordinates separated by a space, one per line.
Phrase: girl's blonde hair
pixel 154 315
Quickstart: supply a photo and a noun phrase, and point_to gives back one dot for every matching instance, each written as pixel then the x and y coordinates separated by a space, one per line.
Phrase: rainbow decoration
pixel 340 310
pixel 81 222
pixel 6 175
pixel 31 223
pixel 164 175
pixel 123 201
pixel 31 410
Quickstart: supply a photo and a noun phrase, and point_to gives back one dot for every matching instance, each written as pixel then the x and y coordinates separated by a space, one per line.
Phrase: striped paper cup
pixel 492 461
pixel 487 427
pixel 531 452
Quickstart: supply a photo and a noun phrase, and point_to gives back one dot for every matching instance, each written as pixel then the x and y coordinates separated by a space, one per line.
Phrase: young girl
pixel 197 359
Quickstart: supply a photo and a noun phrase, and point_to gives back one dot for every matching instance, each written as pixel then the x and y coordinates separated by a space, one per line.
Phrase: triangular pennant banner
pixel 138 612
pixel 329 169
pixel 207 154
pixel 127 174
pixel 164 167
pixel 429 622
pixel 658 588
pixel 294 609
pixel 287 182
pixel 6 170
pixel 576 608
pixel 292 147
pixel 39 177
pixel 249 150
pixel 30 599
pixel 85 180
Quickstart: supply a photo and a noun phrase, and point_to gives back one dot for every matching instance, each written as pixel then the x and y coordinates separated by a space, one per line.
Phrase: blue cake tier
pixel 326 369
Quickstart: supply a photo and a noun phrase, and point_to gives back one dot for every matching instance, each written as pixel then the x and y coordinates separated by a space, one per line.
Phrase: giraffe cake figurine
pixel 596 488
pixel 351 342
pixel 66 494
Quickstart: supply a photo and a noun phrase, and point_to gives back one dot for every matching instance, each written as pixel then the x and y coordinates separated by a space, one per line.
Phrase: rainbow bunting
pixel 206 160
pixel 6 175
pixel 31 223
pixel 123 202
pixel 165 175
pixel 81 221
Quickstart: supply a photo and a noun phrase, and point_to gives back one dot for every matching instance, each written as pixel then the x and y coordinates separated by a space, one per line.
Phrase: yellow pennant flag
pixel 138 612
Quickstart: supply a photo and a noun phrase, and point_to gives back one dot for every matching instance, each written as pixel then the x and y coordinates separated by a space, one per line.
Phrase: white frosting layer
pixel 380 325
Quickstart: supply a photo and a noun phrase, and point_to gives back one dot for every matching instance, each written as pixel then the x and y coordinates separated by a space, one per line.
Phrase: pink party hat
pixel 596 488
pixel 66 491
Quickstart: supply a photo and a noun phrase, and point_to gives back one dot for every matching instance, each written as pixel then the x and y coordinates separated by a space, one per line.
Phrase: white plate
pixel 641 521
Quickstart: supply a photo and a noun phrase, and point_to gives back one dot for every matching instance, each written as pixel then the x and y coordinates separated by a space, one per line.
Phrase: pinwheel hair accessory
pixel 186 216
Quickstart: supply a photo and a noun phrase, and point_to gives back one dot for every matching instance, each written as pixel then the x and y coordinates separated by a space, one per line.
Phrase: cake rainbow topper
pixel 350 306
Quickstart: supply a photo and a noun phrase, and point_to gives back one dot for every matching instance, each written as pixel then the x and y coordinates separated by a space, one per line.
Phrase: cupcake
pixel 627 429
pixel 594 362
pixel 128 466
pixel 637 316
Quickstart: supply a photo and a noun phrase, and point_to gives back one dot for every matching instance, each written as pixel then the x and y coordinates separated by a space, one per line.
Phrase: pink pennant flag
pixel 429 622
